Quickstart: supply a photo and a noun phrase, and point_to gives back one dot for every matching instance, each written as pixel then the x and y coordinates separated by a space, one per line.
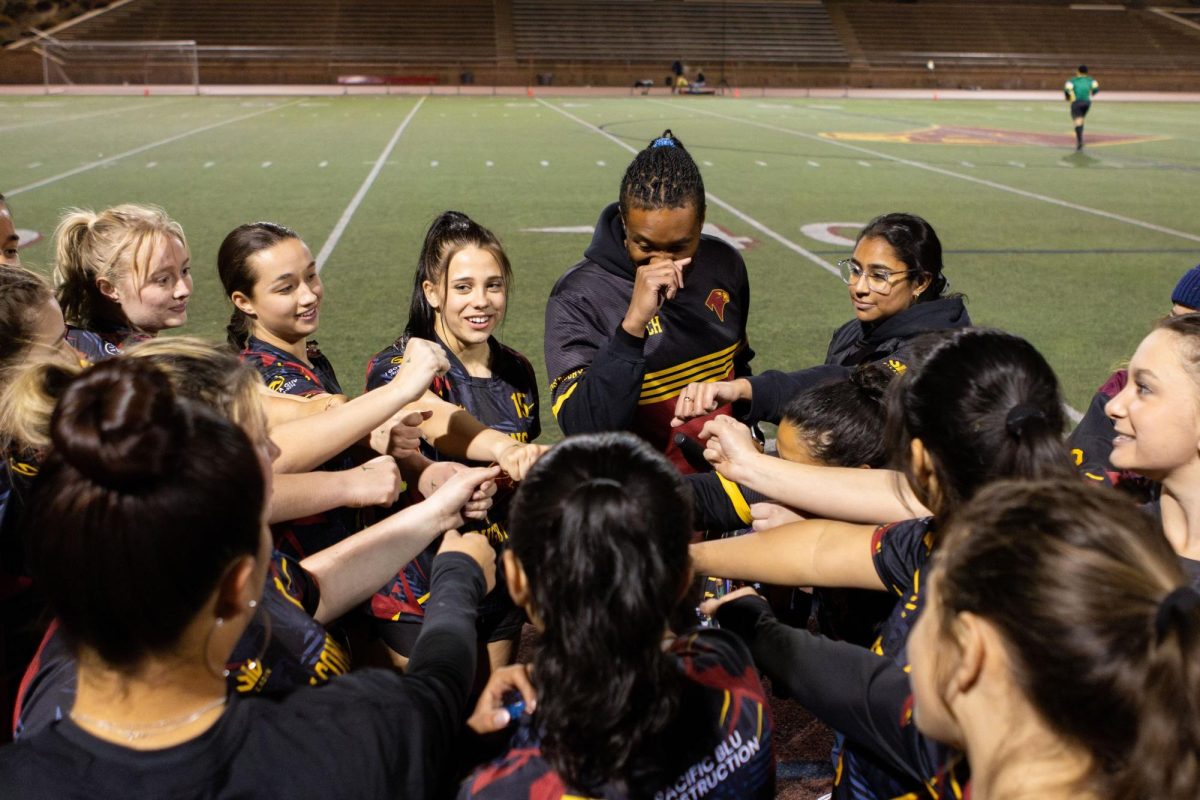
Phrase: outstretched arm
pixel 808 553
pixel 843 493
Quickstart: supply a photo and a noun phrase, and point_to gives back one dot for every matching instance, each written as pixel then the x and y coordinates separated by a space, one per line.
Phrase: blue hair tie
pixel 665 141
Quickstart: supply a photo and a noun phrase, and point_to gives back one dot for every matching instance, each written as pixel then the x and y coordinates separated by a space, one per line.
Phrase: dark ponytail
pixel 451 232
pixel 916 245
pixel 139 509
pixel 601 527
pixel 662 176
pixel 237 275
pixel 986 405
pixel 1102 634
pixel 842 422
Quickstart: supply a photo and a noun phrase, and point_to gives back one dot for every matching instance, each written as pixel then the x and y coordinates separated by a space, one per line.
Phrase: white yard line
pixel 951 174
pixel 712 198
pixel 336 234
pixel 101 162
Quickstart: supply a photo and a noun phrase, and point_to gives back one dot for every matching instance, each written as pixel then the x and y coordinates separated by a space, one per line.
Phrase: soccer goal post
pixel 150 63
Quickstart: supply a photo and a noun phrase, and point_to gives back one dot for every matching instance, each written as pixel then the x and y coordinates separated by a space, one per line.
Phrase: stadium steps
pixel 999 33
pixel 696 31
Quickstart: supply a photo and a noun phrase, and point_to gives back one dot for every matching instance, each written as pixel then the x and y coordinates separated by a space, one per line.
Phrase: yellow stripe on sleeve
pixel 562 398
pixel 736 497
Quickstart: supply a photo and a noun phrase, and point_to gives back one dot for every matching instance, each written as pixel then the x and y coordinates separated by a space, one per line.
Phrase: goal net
pixel 70 63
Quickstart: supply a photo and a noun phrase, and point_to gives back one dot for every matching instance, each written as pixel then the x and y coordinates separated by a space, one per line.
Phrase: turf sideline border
pixel 143 148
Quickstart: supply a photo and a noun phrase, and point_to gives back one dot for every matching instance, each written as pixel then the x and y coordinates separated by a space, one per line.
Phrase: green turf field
pixel 1077 252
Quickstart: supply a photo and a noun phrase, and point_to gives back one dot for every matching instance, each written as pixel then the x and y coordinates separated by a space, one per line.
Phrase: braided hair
pixel 662 176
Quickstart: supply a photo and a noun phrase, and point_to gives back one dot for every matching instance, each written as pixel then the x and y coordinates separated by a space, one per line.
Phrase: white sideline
pixel 951 174
pixel 712 198
pixel 101 162
pixel 336 234
pixel 122 109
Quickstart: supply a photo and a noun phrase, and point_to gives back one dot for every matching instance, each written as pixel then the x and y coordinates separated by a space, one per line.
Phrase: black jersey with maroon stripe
pixel 282 648
pixel 735 738
pixel 284 373
pixel 506 402
pixel 603 379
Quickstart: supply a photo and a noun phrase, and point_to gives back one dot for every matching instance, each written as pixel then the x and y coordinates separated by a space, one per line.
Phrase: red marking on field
pixel 940 134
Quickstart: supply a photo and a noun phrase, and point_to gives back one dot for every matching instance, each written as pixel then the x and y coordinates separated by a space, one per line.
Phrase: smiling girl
pixel 460 294
pixel 1156 419
pixel 897 290
pixel 121 275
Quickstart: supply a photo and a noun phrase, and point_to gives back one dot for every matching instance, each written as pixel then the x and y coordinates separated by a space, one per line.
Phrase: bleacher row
pixel 380 35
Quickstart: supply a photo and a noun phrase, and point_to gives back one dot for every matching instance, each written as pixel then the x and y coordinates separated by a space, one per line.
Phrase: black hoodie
pixel 858 343
pixel 603 379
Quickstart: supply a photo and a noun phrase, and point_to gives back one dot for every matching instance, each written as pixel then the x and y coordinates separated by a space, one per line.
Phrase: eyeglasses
pixel 879 280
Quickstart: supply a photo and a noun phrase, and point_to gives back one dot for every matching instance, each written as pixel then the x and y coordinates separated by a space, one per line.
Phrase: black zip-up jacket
pixel 857 343
pixel 603 379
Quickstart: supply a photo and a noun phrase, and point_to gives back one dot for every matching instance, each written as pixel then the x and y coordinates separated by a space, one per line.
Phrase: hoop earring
pixel 260 624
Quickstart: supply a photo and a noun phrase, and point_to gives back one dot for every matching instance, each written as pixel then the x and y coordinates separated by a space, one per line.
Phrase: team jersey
pixel 283 648
pixel 506 402
pixel 899 552
pixel 1091 445
pixel 604 379
pixel 104 340
pixel 719 505
pixel 1081 88
pixel 725 721
pixel 865 696
pixel 284 373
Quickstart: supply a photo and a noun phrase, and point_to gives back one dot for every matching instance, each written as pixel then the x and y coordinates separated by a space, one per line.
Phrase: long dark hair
pixel 1103 636
pixel 985 404
pixel 451 232
pixel 916 244
pixel 142 504
pixel 233 265
pixel 663 175
pixel 601 527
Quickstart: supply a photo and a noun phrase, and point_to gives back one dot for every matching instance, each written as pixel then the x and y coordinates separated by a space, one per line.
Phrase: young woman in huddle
pixel 121 276
pixel 1060 649
pixel 153 620
pixel 1156 419
pixel 598 558
pixel 1057 652
pixel 291 648
pixel 460 295
pixel 974 406
pixel 898 292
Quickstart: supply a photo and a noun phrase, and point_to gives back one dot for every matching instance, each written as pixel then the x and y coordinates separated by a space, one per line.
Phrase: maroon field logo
pixel 944 134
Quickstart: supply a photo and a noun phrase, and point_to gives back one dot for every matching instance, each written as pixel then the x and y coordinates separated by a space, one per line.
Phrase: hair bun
pixel 453 221
pixel 119 425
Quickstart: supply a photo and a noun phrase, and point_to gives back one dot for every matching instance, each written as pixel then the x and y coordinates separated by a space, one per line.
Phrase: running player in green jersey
pixel 1079 92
